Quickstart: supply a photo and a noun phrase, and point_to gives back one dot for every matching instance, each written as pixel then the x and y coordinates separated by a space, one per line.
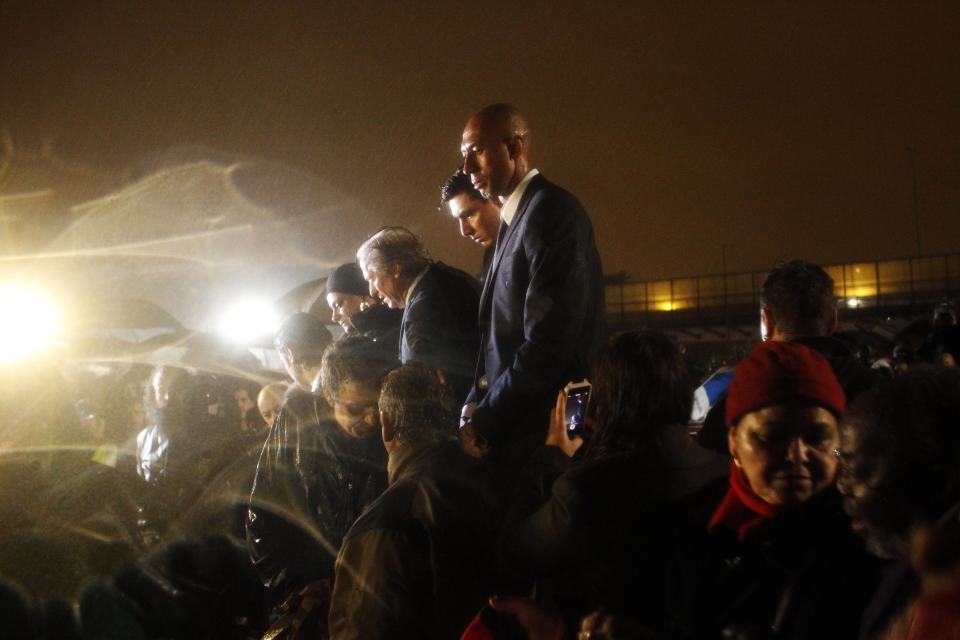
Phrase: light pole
pixel 723 267
pixel 916 202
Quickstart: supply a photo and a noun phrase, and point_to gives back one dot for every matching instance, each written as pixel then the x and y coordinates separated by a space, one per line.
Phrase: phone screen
pixel 576 409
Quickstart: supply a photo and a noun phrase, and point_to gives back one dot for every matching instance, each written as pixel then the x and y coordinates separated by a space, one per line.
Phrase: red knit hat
pixel 777 372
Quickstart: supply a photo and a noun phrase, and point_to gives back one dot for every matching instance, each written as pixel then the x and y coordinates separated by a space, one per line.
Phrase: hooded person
pixel 779 538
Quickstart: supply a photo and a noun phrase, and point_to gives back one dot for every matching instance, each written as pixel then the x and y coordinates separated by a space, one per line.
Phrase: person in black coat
pixel 542 307
pixel 419 562
pixel 321 464
pixel 615 526
pixel 900 478
pixel 439 326
pixel 783 561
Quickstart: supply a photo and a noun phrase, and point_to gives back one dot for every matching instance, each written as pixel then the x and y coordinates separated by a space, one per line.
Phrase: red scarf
pixel 477 630
pixel 741 509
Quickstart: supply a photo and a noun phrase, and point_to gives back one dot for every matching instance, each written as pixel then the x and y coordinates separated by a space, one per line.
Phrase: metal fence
pixel 712 298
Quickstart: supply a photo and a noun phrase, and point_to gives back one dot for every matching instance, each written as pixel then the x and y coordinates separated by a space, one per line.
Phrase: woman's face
pixel 786 451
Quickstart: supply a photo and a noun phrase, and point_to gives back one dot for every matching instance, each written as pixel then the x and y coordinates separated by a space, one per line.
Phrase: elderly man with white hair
pixel 440 304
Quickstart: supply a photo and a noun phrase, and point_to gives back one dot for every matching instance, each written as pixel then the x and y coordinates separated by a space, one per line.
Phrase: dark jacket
pixel 612 528
pixel 419 562
pixel 804 573
pixel 439 327
pixel 381 324
pixel 312 481
pixel 541 314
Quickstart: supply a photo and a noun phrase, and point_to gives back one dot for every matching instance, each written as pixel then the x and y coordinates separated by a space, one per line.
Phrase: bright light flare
pixel 29 322
pixel 249 320
pixel 853 303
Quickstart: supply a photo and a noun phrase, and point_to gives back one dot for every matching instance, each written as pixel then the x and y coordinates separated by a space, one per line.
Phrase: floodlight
pixel 249 320
pixel 29 323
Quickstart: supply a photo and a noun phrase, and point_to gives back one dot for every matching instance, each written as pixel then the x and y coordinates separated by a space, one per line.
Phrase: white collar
pixel 413 285
pixel 510 206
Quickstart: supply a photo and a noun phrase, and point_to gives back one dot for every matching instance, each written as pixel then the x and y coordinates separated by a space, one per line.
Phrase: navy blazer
pixel 541 311
pixel 439 326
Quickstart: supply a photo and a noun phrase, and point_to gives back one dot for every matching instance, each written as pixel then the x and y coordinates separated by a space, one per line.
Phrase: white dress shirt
pixel 510 206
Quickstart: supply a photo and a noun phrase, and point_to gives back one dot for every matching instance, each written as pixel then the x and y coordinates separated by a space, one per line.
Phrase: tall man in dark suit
pixel 541 310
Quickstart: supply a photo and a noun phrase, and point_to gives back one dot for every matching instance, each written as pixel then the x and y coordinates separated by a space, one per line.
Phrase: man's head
pixel 945 314
pixel 390 261
pixel 270 400
pixel 161 385
pixel 496 150
pixel 416 407
pixel 478 217
pixel 900 457
pixel 347 294
pixel 796 300
pixel 350 379
pixel 301 341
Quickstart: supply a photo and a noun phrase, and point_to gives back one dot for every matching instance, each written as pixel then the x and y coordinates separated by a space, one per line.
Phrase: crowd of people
pixel 421 476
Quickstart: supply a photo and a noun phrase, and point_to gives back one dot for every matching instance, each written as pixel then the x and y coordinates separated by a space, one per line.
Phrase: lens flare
pixel 29 322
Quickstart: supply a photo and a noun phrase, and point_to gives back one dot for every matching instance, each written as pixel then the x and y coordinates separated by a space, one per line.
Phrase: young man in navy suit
pixel 541 310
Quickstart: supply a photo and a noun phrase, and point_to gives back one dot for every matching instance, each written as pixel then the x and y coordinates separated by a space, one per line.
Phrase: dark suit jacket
pixel 541 313
pixel 439 326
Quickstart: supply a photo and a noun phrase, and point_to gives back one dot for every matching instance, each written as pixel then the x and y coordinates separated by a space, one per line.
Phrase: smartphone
pixel 575 413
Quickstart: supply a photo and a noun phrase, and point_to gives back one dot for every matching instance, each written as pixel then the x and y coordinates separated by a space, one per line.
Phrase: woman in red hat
pixel 782 559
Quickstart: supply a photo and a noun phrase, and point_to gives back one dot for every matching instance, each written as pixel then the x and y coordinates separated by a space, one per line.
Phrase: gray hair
pixel 392 247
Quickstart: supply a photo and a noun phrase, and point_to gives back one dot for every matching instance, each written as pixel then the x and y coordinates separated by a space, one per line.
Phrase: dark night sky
pixel 781 128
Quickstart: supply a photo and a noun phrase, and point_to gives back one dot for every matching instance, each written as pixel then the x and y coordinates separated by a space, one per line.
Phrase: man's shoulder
pixel 448 280
pixel 549 210
pixel 541 192
pixel 445 272
pixel 391 511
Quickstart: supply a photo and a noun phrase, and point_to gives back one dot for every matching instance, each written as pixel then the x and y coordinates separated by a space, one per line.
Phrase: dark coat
pixel 381 324
pixel 312 481
pixel 804 573
pixel 439 326
pixel 612 530
pixel 541 313
pixel 419 562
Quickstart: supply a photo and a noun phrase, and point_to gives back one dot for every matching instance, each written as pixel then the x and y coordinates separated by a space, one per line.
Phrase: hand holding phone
pixel 559 433
pixel 575 410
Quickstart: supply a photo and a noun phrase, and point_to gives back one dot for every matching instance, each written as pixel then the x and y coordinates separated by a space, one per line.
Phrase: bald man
pixel 269 401
pixel 541 310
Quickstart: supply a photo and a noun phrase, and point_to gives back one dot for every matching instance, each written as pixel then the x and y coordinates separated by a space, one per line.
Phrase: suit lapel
pixel 504 238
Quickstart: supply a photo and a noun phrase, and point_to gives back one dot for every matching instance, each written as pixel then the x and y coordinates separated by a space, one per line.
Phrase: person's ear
pixel 327 396
pixel 387 429
pixel 515 146
pixel 768 325
pixel 834 321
